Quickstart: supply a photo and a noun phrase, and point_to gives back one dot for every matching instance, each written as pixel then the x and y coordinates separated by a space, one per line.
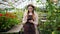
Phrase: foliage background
pixel 49 19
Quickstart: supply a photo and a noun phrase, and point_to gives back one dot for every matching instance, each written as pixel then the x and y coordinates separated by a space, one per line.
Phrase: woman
pixel 30 20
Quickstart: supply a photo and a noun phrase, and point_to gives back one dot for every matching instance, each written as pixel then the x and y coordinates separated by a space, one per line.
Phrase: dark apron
pixel 29 28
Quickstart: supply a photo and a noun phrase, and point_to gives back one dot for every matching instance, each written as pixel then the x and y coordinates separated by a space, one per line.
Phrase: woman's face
pixel 30 9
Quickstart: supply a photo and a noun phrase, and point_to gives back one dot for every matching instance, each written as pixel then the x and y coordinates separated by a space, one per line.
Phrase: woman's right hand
pixel 31 21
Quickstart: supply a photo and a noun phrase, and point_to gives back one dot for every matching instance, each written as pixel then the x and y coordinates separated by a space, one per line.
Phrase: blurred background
pixel 11 14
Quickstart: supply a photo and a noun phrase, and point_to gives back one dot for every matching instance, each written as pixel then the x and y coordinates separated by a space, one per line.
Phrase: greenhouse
pixel 12 14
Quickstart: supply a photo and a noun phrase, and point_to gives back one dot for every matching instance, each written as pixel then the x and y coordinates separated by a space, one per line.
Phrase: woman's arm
pixel 24 18
pixel 36 19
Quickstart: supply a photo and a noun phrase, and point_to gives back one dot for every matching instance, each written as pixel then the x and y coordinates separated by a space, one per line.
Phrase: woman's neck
pixel 30 13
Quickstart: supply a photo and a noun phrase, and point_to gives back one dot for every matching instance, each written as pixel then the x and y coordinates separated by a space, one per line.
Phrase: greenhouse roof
pixel 19 3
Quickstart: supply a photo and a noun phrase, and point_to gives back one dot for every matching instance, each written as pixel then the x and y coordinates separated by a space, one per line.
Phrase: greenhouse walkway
pixel 15 29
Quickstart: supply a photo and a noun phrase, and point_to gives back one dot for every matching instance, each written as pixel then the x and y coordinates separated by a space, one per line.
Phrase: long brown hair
pixel 32 10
